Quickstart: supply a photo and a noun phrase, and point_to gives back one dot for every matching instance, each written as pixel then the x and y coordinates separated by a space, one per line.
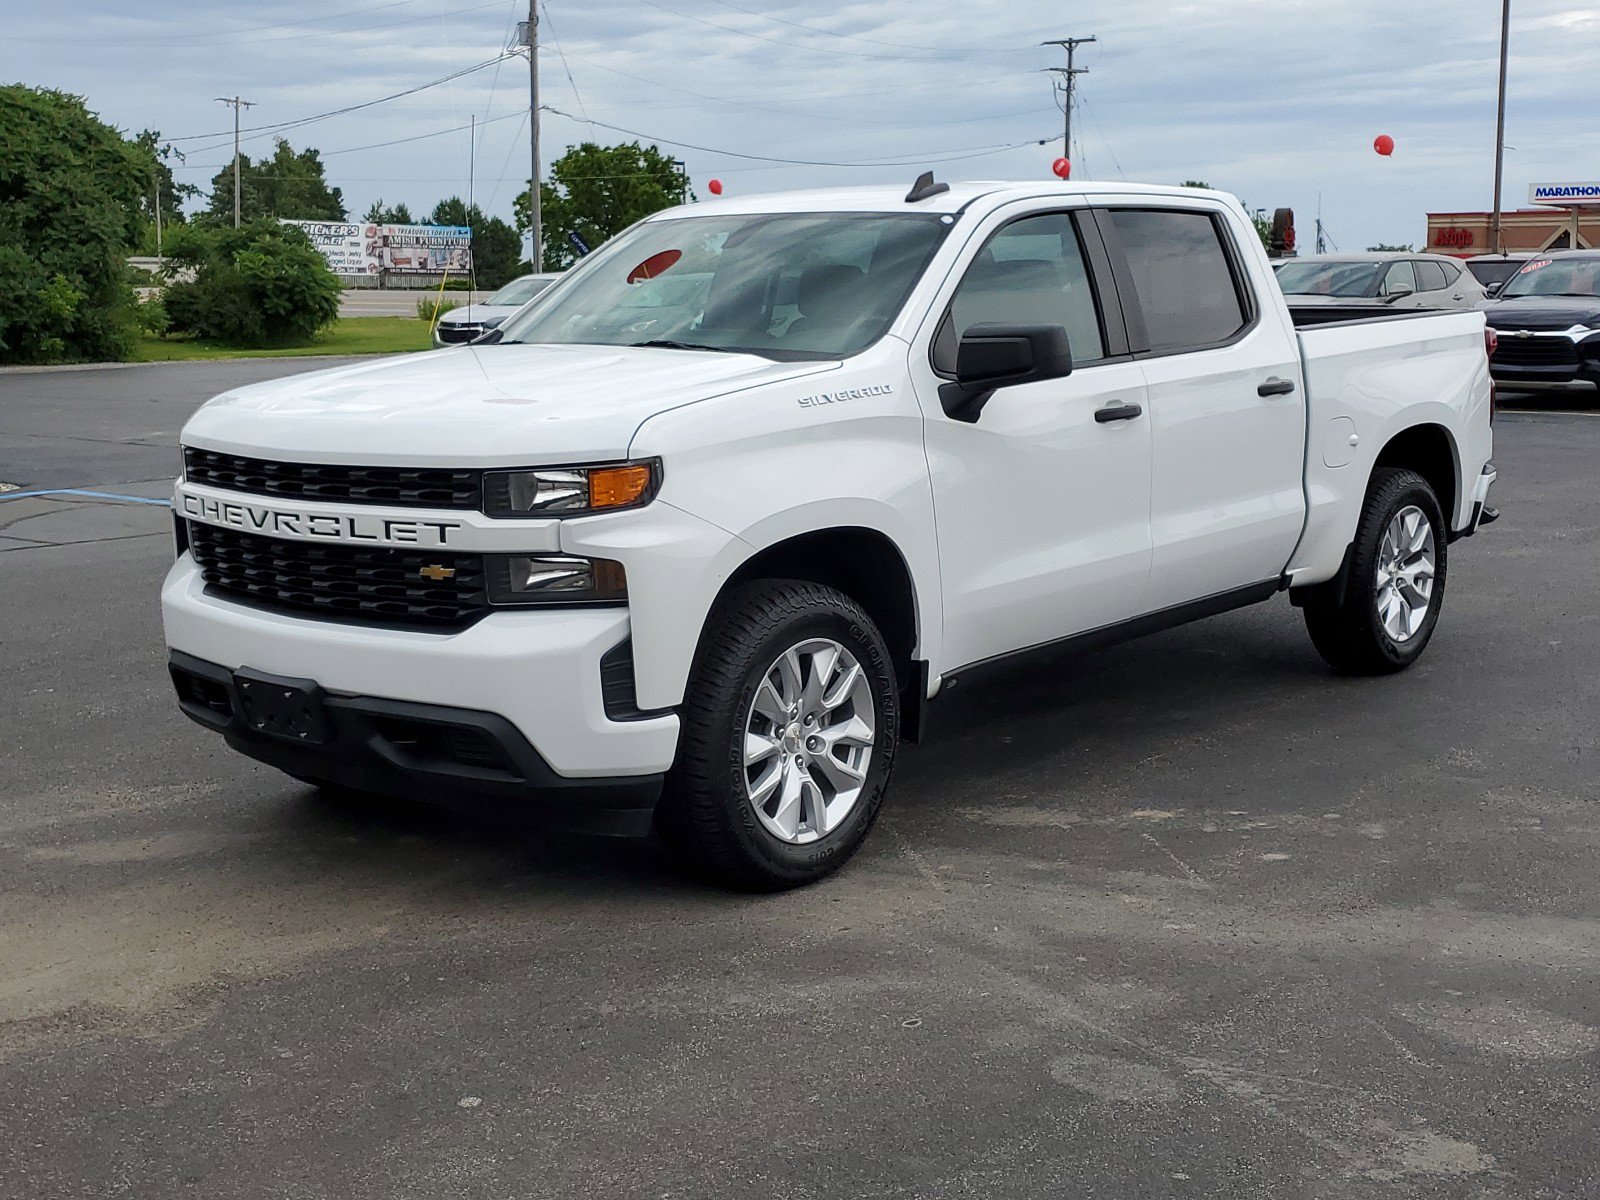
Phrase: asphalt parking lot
pixel 1190 918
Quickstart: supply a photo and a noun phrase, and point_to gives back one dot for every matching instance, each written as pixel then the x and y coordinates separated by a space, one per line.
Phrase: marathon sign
pixel 1565 195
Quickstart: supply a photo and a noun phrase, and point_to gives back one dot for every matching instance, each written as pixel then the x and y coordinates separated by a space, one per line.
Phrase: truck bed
pixel 1306 316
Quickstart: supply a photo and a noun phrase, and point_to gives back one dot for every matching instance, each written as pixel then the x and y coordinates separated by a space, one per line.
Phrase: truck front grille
pixel 341 582
pixel 1536 352
pixel 410 487
pixel 454 335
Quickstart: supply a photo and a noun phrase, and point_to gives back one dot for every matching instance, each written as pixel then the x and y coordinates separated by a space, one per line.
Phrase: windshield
pixel 1329 278
pixel 1492 270
pixel 793 286
pixel 1556 277
pixel 518 292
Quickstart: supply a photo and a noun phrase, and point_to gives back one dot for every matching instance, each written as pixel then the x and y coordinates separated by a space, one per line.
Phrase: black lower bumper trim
pixel 454 757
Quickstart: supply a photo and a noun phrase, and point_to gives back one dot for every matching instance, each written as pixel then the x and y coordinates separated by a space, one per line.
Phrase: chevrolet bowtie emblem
pixel 437 573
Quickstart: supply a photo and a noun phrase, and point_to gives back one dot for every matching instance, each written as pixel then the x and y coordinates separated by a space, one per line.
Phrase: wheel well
pixel 863 564
pixel 1427 450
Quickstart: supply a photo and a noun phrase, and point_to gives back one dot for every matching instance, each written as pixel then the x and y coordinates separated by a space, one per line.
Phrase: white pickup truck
pixel 693 540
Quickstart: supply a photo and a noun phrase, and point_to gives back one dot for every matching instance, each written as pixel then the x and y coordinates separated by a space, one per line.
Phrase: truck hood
pixel 476 406
pixel 1542 312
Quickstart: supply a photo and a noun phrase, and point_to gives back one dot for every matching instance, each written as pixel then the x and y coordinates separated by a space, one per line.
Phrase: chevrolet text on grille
pixel 361 528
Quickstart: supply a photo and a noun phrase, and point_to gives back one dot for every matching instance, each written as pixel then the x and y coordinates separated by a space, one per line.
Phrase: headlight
pixel 526 579
pixel 570 491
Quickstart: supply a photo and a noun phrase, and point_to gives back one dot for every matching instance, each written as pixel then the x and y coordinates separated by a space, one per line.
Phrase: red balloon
pixel 1062 167
pixel 1383 144
pixel 715 187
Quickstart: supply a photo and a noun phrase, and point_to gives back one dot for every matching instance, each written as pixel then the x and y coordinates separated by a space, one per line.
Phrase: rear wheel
pixel 1395 586
pixel 789 728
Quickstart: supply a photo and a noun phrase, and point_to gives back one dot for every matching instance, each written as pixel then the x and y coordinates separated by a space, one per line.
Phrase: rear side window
pixel 1184 277
pixel 1031 272
pixel 1430 277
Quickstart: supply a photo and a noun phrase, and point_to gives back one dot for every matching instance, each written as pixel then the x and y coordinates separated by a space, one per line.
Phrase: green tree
pixel 70 187
pixel 1385 247
pixel 383 214
pixel 263 284
pixel 164 186
pixel 496 248
pixel 288 185
pixel 597 191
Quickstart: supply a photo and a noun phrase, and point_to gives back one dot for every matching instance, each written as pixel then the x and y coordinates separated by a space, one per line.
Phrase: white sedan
pixel 461 325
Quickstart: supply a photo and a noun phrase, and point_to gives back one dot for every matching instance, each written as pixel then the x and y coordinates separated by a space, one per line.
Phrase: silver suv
pixel 1396 279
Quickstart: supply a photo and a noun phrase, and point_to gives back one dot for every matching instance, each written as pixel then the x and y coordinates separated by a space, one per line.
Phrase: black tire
pixel 706 810
pixel 1346 630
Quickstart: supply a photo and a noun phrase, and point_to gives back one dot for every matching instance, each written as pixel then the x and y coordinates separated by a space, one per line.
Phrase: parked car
pixel 1492 270
pixel 1397 280
pixel 710 576
pixel 1547 316
pixel 471 321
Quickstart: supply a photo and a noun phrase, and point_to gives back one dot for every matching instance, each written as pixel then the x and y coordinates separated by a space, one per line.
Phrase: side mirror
pixel 1493 289
pixel 993 355
pixel 1391 297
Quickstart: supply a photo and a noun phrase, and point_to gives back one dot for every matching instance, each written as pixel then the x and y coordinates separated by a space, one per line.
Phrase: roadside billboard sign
pixel 430 249
pixel 357 248
pixel 341 244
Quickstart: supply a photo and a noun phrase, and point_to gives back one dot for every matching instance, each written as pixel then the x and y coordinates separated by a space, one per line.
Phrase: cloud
pixel 1275 100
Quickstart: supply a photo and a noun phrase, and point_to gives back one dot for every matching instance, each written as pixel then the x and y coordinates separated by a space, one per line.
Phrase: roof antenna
pixel 925 187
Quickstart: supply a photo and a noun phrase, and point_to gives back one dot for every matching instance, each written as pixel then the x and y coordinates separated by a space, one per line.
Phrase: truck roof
pixel 883 198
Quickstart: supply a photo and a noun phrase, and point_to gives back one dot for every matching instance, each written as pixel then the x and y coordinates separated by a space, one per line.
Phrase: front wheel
pixel 789 729
pixel 1395 586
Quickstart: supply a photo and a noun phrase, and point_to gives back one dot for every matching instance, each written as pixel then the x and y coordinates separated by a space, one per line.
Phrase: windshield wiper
pixel 671 344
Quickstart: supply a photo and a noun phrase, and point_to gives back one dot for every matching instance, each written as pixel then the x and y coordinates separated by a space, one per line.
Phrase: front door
pixel 1043 512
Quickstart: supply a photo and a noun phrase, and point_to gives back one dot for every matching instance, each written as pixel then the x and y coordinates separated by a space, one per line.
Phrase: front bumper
pixel 538 671
pixel 451 756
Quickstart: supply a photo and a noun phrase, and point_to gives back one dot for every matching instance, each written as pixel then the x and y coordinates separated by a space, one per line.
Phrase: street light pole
pixel 1496 242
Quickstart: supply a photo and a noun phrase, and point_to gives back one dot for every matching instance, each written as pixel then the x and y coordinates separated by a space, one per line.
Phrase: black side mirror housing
pixel 994 355
pixel 1493 289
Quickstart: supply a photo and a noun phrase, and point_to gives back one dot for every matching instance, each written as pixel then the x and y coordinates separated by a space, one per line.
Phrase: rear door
pixel 1227 413
pixel 1042 506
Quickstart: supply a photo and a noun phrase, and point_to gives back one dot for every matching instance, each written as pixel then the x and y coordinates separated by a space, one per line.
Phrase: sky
pixel 1276 101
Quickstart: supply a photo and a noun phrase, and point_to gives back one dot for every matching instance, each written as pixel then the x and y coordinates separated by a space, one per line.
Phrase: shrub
pixel 430 308
pixel 70 187
pixel 262 284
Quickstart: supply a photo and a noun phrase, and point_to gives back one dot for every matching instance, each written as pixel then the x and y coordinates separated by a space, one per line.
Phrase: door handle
pixel 1117 412
pixel 1276 387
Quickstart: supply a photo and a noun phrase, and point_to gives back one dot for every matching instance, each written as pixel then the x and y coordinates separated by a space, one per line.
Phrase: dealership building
pixel 1568 219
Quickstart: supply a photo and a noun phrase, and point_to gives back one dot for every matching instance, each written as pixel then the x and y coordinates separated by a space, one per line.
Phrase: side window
pixel 1430 277
pixel 1183 276
pixel 1399 279
pixel 1031 272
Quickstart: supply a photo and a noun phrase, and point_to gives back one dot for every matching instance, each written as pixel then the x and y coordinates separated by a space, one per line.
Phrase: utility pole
pixel 237 105
pixel 1069 75
pixel 158 213
pixel 528 35
pixel 1496 245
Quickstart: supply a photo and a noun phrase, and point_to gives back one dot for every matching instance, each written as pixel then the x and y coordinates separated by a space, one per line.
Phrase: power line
pixel 895 161
pixel 258 131
pixel 563 56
